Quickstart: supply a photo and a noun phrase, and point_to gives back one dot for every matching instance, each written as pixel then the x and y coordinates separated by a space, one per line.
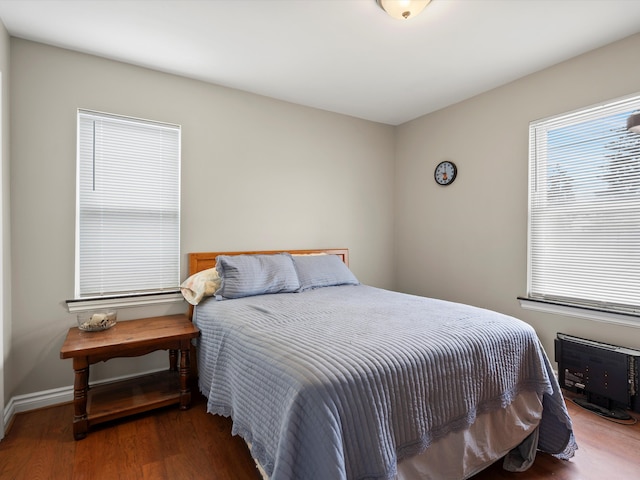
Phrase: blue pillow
pixel 316 271
pixel 247 275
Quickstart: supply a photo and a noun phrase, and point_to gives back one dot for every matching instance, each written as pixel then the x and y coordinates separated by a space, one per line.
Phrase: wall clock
pixel 445 173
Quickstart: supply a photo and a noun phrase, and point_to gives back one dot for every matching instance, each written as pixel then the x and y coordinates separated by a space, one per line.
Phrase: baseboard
pixel 49 398
pixel 33 401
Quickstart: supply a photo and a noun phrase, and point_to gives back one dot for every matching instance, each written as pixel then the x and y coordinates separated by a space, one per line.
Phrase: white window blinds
pixel 128 206
pixel 584 209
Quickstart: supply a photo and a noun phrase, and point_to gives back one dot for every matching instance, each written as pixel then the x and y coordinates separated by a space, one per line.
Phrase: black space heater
pixel 606 374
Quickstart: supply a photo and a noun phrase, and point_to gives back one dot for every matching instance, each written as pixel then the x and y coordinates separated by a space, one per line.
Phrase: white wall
pixel 468 242
pixel 256 174
pixel 5 254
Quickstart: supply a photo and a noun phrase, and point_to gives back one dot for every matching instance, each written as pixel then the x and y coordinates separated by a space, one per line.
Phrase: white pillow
pixel 200 285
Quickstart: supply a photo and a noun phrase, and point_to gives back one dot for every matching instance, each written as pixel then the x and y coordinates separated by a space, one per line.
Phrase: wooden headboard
pixel 199 261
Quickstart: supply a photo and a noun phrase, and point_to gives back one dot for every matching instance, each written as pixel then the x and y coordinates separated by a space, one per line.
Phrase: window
pixel 128 206
pixel 584 210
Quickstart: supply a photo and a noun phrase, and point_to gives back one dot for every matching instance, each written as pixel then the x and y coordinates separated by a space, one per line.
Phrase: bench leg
pixel 185 363
pixel 80 393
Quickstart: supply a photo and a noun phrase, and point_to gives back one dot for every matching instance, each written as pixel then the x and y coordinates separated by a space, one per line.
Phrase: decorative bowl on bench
pixel 95 321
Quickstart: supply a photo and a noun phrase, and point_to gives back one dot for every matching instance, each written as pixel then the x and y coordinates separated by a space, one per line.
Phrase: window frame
pixel 162 292
pixel 629 314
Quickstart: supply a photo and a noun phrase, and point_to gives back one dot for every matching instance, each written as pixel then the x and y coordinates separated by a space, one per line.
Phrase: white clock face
pixel 445 173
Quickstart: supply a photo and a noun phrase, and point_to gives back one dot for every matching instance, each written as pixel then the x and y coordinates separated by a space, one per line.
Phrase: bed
pixel 327 378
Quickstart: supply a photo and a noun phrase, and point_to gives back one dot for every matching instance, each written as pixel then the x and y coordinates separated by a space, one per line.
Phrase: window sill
pixel 82 305
pixel 629 320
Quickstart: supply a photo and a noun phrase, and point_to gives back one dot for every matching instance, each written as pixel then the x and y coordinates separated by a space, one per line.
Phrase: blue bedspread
pixel 343 382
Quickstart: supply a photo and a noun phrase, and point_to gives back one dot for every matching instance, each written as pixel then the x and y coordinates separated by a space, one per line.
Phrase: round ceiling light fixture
pixel 403 9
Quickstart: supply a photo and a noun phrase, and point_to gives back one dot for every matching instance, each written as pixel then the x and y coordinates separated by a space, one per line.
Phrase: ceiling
pixel 345 56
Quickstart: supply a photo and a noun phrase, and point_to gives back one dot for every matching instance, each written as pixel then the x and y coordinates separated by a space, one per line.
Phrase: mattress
pixel 347 382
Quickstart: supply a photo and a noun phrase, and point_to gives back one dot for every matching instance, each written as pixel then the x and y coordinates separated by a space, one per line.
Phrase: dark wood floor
pixel 174 444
